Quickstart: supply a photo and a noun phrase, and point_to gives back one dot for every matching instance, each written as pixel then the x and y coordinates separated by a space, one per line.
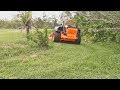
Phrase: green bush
pixel 91 30
pixel 102 36
pixel 38 38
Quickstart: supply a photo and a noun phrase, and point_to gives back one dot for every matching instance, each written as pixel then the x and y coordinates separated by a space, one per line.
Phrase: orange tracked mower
pixel 66 33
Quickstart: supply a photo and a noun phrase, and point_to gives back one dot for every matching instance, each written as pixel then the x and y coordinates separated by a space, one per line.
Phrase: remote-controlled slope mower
pixel 66 33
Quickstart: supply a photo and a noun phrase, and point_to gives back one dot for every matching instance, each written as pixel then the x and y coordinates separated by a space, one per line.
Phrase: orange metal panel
pixel 71 35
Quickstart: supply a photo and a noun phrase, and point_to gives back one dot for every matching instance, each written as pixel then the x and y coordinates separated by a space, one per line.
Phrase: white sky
pixel 10 14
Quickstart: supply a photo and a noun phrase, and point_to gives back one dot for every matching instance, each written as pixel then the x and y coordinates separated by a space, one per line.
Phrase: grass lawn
pixel 61 61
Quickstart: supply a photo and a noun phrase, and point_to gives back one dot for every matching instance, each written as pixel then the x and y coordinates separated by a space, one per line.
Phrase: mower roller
pixel 66 33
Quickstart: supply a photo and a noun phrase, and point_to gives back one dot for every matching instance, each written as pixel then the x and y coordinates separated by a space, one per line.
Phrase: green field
pixel 60 61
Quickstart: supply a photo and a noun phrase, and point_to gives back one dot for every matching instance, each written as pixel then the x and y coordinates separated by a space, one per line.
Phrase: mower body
pixel 66 33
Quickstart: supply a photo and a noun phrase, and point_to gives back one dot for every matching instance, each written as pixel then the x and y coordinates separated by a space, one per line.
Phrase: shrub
pixel 38 38
pixel 91 30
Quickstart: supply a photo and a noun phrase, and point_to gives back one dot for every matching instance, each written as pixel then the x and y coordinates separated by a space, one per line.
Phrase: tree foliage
pixel 99 25
pixel 26 18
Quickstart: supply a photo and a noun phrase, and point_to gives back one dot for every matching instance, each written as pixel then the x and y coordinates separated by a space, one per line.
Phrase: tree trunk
pixel 28 29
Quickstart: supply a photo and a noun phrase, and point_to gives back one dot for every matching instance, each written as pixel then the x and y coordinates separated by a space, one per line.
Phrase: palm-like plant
pixel 26 18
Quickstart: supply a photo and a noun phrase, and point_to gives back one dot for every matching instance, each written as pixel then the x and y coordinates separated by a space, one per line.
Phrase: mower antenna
pixel 63 24
pixel 64 32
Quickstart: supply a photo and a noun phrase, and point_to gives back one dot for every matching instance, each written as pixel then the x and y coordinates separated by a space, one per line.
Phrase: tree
pixel 99 25
pixel 26 18
pixel 54 21
pixel 67 17
pixel 68 14
pixel 38 22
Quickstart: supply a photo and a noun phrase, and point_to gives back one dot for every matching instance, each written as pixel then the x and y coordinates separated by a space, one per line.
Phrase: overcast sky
pixel 11 14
